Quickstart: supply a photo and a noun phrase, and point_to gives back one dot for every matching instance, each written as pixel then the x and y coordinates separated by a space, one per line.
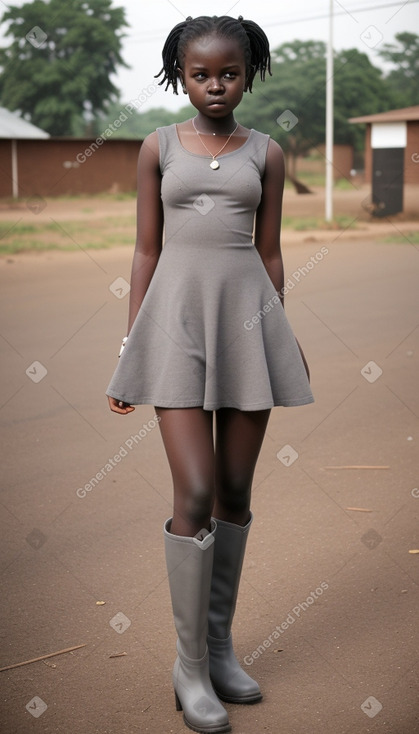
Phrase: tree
pixel 359 89
pixel 291 106
pixel 60 61
pixel 403 78
pixel 137 125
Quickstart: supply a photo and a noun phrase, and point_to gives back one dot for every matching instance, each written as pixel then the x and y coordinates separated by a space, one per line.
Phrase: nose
pixel 215 86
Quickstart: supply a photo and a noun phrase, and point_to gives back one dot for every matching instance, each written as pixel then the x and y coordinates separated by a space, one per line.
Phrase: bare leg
pixel 239 440
pixel 188 440
pixel 187 437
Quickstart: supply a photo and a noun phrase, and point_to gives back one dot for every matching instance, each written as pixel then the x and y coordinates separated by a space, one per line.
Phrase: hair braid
pixel 259 48
pixel 170 54
pixel 250 35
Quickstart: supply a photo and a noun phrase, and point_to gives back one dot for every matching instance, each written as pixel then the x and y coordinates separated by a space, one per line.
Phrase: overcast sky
pixel 363 24
pixel 150 23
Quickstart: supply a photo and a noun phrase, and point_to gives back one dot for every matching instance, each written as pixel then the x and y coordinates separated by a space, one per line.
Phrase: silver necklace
pixel 214 163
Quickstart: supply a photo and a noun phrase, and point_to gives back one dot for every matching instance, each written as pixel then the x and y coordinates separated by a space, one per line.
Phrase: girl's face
pixel 214 74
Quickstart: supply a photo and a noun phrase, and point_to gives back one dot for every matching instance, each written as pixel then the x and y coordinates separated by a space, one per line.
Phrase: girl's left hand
pixel 118 406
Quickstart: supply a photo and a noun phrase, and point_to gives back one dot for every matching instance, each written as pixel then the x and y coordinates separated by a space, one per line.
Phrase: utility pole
pixel 329 120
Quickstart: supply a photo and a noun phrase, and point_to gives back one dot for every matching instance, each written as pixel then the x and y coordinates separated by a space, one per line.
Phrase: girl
pixel 209 339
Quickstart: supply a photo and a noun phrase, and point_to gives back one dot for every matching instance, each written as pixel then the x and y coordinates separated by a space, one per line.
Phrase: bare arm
pixel 268 222
pixel 268 216
pixel 149 224
pixel 149 236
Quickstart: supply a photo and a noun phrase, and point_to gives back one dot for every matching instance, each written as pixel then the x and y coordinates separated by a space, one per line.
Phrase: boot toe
pixel 231 683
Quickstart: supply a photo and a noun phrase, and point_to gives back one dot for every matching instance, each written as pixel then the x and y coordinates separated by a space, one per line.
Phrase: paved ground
pixel 338 586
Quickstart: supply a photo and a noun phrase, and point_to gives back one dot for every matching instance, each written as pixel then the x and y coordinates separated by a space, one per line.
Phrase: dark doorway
pixel 387 181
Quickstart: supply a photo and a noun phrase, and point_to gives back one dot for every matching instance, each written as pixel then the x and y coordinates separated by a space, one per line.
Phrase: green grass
pixel 16 246
pixel 120 196
pixel 17 229
pixel 343 184
pixel 68 235
pixel 311 179
pixel 13 247
pixel 411 238
pixel 300 224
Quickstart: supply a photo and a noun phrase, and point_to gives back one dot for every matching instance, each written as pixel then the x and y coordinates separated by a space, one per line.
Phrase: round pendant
pixel 214 165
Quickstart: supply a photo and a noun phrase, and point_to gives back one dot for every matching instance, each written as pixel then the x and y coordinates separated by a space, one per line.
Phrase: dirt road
pixel 327 611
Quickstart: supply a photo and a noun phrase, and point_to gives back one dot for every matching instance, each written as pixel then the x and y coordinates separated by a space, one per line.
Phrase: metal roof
pixel 406 114
pixel 13 127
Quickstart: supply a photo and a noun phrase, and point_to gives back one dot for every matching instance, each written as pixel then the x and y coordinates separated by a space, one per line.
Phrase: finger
pixel 119 406
pixel 124 407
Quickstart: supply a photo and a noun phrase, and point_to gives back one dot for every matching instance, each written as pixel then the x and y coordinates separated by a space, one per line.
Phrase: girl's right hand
pixel 118 406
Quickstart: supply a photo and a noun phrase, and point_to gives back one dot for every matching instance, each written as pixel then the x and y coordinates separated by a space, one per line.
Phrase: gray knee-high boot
pixel 230 682
pixel 189 564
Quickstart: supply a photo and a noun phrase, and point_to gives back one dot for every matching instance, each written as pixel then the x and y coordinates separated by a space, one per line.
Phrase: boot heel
pixel 178 703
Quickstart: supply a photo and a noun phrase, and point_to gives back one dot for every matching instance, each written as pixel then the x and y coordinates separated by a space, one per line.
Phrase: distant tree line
pixel 298 85
pixel 57 73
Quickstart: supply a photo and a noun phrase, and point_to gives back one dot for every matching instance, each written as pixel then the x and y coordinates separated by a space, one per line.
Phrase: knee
pixel 196 504
pixel 234 494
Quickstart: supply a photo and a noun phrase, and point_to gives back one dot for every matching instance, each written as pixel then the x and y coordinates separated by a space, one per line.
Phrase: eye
pixel 199 75
pixel 230 75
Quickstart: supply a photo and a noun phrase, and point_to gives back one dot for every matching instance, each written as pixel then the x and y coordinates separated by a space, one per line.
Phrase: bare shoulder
pixel 274 163
pixel 149 151
pixel 151 142
pixel 274 154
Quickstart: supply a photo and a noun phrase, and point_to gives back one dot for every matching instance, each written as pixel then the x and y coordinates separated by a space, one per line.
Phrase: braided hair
pixel 249 34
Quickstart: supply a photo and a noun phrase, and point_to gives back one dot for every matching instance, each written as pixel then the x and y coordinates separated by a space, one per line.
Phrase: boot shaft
pixel 229 550
pixel 189 564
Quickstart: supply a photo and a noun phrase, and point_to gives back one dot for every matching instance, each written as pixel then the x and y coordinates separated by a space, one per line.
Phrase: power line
pixel 340 12
pixel 162 34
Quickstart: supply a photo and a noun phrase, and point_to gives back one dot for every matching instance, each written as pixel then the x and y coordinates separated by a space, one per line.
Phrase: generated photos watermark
pixel 129 109
pixel 292 281
pixel 292 617
pixel 371 706
pixel 36 706
pixel 112 462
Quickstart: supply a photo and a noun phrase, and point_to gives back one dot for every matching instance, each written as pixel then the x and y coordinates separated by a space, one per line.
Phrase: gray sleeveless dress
pixel 211 330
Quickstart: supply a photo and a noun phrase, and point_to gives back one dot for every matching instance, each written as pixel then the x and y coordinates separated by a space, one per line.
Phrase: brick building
pixel 34 164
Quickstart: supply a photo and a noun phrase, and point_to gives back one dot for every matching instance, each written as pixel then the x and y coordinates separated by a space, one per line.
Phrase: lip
pixel 217 103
